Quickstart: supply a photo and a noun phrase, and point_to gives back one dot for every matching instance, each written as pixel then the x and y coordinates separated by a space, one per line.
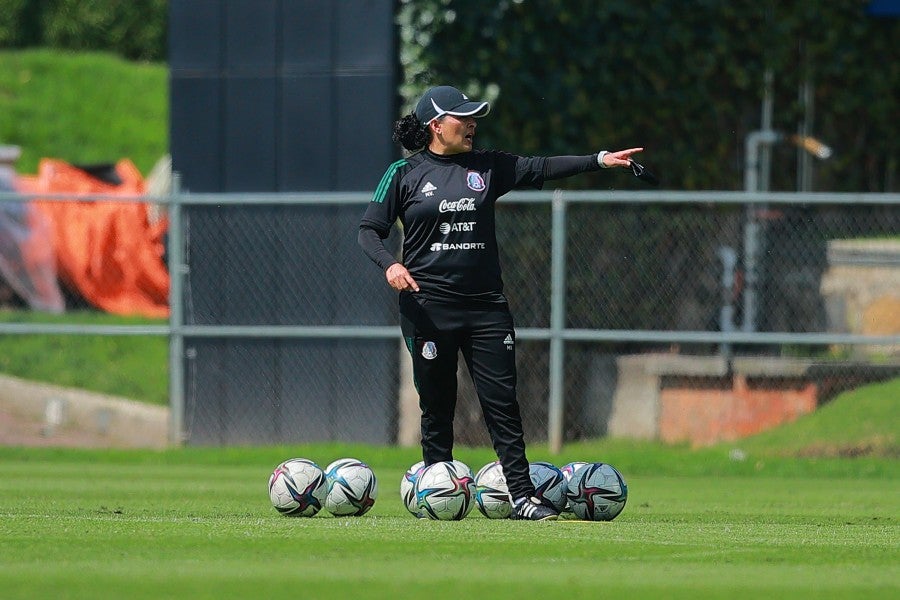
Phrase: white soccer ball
pixel 462 467
pixel 568 470
pixel 492 492
pixel 297 488
pixel 337 463
pixel 444 491
pixel 549 484
pixel 408 487
pixel 597 492
pixel 352 488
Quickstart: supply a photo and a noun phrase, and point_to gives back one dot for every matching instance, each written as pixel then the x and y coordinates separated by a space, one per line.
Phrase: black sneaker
pixel 531 509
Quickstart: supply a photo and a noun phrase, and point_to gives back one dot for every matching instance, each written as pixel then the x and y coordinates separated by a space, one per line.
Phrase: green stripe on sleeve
pixel 381 190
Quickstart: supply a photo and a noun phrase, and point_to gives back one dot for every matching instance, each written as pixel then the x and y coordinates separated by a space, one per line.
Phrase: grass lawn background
pixel 83 107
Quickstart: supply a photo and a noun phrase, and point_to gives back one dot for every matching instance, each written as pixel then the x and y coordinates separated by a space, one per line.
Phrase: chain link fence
pixel 648 315
pixel 645 277
pixel 612 288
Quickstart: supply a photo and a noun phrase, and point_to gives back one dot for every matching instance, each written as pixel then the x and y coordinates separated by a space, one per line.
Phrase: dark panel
pixel 195 35
pixel 306 391
pixel 234 255
pixel 306 144
pixel 306 287
pixel 212 235
pixel 307 28
pixel 287 95
pixel 274 392
pixel 378 305
pixel 275 265
pixel 365 142
pixel 204 385
pixel 250 134
pixel 313 244
pixel 206 262
pixel 249 403
pixel 232 387
pixel 195 135
pixel 251 35
pixel 365 35
pixel 364 406
pixel 341 390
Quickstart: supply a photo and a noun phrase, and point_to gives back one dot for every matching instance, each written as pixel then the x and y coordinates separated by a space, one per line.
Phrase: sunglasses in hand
pixel 641 172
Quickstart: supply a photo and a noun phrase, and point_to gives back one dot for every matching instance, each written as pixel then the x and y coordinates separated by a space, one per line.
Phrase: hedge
pixel 684 78
pixel 681 77
pixel 134 29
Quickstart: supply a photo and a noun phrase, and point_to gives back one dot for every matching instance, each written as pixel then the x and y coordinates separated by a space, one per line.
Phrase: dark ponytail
pixel 410 133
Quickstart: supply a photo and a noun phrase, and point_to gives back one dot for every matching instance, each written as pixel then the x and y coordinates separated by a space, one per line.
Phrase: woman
pixel 451 291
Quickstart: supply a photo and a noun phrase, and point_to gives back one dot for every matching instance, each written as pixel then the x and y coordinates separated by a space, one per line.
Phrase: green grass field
pixel 108 108
pixel 129 366
pixel 794 518
pixel 197 522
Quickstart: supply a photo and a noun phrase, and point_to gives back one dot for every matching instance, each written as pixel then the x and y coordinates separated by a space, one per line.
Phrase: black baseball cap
pixel 447 100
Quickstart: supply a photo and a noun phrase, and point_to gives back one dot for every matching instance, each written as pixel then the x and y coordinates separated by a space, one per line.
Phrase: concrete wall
pixel 701 415
pixel 862 288
pixel 41 414
pixel 704 400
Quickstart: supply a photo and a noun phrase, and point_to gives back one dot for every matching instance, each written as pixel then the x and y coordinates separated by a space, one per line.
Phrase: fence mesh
pixel 649 267
pixel 631 267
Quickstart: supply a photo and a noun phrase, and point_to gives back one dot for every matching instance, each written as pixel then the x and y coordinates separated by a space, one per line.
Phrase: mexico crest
pixel 474 181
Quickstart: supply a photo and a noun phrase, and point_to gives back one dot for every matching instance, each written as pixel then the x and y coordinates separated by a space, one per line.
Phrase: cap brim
pixel 471 109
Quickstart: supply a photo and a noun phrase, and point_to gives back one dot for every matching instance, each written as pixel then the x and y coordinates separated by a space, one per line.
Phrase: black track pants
pixel 435 333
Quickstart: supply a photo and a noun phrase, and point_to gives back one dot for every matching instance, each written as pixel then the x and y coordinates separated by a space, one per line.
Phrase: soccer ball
pixel 567 471
pixel 549 484
pixel 408 487
pixel 597 492
pixel 491 491
pixel 337 463
pixel 352 488
pixel 444 491
pixel 297 488
pixel 462 467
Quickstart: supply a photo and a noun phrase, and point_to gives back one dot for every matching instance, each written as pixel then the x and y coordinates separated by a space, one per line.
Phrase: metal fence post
pixel 176 316
pixel 755 142
pixel 555 408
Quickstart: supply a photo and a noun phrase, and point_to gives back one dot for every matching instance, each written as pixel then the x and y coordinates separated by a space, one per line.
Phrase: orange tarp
pixel 107 251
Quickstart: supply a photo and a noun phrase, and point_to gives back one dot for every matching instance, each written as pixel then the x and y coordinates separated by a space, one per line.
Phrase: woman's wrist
pixel 600 156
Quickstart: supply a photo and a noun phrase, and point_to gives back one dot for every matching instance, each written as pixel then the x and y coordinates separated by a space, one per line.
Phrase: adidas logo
pixel 509 341
pixel 429 188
